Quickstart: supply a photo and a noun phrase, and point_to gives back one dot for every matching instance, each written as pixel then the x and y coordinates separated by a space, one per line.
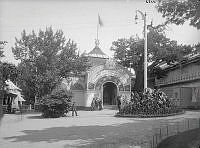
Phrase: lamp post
pixel 145 45
pixel 130 77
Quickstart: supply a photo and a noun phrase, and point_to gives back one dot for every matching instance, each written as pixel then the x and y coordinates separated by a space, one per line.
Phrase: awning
pixel 11 86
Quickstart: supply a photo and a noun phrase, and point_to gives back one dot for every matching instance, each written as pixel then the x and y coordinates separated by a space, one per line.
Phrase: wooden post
pixel 1 106
pixel 177 128
pixel 167 130
pixel 199 122
pixel 160 134
pixel 156 140
pixel 151 144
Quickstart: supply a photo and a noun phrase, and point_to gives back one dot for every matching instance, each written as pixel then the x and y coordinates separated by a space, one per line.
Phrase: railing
pixel 155 136
pixel 177 79
pixel 173 128
pixel 24 108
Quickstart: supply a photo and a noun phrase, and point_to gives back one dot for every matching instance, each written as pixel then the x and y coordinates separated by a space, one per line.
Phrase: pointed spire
pixel 97 52
pixel 97 42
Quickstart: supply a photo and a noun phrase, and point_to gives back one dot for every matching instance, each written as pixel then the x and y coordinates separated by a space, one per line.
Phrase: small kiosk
pixel 13 99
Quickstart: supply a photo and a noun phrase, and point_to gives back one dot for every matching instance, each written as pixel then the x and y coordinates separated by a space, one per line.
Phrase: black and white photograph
pixel 99 73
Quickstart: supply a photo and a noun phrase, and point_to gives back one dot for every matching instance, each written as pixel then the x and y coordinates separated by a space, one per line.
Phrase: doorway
pixel 109 93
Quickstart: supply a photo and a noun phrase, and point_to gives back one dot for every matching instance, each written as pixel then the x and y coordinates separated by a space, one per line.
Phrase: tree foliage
pixel 2 84
pixel 10 71
pixel 46 58
pixel 160 49
pixel 2 44
pixel 178 12
pixel 55 104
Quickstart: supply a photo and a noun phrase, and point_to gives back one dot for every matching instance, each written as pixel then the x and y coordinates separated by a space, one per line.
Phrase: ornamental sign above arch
pixel 109 71
pixel 107 79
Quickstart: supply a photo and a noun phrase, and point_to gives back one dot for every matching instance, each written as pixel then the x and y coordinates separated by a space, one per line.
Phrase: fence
pixel 156 135
pixel 24 108
pixel 171 129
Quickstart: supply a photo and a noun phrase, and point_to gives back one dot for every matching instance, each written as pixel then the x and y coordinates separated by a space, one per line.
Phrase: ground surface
pixel 98 129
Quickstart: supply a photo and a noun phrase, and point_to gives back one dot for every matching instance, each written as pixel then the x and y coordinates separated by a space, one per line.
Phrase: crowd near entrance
pixel 109 93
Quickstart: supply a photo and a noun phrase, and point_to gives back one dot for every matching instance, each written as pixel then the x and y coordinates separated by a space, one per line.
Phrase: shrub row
pixel 149 116
pixel 149 104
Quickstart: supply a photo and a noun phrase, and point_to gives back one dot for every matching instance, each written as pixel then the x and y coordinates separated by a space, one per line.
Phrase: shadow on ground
pixel 136 132
pixel 87 135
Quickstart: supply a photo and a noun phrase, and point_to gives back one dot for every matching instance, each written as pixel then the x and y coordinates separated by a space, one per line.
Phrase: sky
pixel 78 20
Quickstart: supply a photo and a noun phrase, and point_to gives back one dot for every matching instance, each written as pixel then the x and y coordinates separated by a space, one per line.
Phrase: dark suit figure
pixel 100 104
pixel 74 109
pixel 119 103
pixel 93 104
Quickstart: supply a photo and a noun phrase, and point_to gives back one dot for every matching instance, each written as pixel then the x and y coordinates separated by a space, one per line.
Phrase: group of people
pixel 96 103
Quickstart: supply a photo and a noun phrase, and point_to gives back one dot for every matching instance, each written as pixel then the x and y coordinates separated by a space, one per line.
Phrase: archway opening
pixel 109 93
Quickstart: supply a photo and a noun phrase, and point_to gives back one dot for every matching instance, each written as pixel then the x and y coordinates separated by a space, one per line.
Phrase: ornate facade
pixel 105 78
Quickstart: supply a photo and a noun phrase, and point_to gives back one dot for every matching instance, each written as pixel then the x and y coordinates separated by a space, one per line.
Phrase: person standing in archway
pixel 93 104
pixel 119 103
pixel 100 104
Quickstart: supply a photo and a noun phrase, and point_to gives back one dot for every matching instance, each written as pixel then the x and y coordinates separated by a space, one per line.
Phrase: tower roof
pixel 97 52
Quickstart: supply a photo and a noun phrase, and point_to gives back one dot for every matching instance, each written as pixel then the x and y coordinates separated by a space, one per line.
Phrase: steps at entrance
pixel 111 107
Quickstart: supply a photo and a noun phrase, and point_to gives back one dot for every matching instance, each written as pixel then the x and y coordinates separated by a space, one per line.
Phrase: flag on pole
pixel 100 23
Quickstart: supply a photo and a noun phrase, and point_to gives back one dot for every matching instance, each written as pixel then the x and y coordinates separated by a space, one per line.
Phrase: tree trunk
pixel 1 104
pixel 139 81
pixel 139 71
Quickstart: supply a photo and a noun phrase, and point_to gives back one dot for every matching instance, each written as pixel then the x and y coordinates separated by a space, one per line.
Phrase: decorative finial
pixel 137 37
pixel 97 42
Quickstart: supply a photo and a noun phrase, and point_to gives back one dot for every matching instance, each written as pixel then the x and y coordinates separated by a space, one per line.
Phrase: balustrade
pixel 178 78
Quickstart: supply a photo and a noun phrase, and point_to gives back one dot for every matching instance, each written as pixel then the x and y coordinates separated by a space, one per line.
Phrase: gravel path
pixel 98 129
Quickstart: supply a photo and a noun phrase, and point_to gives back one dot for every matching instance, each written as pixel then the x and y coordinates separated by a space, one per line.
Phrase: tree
pixel 46 58
pixel 69 62
pixel 180 11
pixel 2 44
pixel 2 82
pixel 160 48
pixel 7 71
pixel 10 71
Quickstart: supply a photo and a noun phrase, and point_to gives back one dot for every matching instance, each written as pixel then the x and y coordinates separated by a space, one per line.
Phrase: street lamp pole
pixel 130 77
pixel 145 45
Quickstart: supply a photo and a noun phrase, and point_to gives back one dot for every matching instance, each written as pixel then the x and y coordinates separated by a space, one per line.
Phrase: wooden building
pixel 182 82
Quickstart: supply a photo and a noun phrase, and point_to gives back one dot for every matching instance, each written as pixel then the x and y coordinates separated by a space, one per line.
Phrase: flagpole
pixel 97 31
pixel 99 24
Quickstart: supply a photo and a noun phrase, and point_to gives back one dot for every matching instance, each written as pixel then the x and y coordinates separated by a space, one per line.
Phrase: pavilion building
pixel 105 79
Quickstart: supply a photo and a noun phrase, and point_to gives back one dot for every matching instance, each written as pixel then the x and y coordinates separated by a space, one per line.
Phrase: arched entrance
pixel 109 93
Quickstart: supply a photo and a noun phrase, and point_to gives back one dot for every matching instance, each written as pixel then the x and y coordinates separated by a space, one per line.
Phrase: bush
pixel 151 102
pixel 55 104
